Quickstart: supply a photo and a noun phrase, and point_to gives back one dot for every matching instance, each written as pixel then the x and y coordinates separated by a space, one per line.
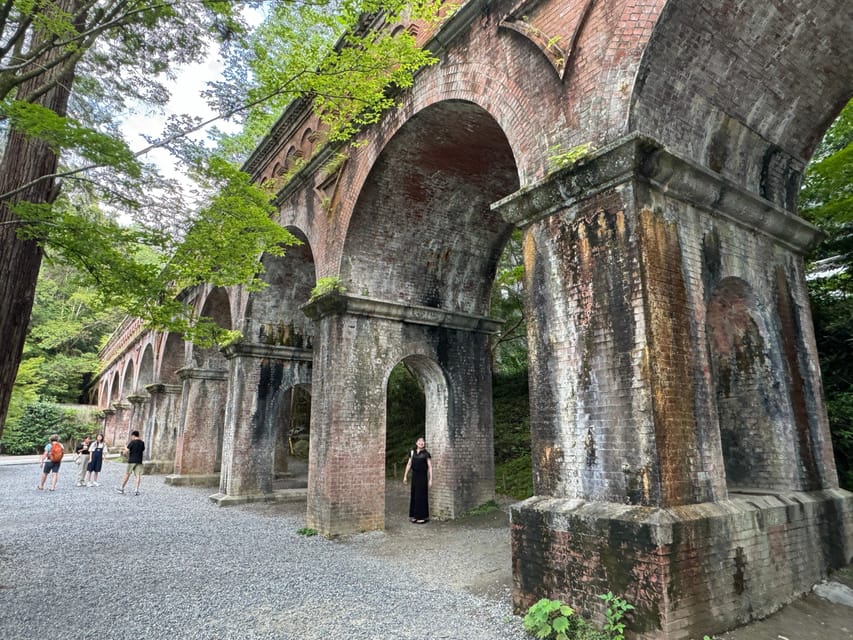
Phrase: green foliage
pixel 40 419
pixel 616 610
pixel 561 159
pixel 406 416
pixel 826 200
pixel 487 507
pixel 326 285
pixel 551 619
pixel 308 532
pixel 509 350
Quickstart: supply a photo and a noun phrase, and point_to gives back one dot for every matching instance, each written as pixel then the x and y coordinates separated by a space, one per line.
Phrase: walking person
pixel 421 467
pixel 133 450
pixel 82 459
pixel 51 459
pixel 96 460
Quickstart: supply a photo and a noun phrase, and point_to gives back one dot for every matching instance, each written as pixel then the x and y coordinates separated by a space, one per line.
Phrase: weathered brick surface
pixel 199 444
pixel 257 420
pixel 691 570
pixel 346 470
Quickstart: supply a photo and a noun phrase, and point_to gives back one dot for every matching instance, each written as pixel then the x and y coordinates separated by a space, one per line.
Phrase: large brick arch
pixel 422 231
pixel 746 88
pixel 272 314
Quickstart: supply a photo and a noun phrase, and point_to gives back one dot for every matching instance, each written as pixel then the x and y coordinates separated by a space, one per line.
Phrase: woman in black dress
pixel 421 467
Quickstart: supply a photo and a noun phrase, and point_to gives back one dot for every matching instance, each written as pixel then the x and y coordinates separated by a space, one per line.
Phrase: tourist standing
pixel 51 459
pixel 133 450
pixel 421 467
pixel 82 459
pixel 97 450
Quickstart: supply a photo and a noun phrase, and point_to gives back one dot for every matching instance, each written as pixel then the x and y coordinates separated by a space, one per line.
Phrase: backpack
pixel 56 452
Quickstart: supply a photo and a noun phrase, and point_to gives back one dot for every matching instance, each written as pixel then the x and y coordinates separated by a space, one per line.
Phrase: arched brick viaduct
pixel 681 451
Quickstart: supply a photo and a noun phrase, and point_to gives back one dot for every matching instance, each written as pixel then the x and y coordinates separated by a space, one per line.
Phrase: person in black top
pixel 133 450
pixel 421 467
pixel 82 459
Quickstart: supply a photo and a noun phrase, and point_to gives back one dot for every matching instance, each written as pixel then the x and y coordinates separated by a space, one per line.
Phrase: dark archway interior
pixel 218 308
pixel 422 231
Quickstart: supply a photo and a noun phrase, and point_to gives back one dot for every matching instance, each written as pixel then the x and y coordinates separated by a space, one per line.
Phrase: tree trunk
pixel 24 160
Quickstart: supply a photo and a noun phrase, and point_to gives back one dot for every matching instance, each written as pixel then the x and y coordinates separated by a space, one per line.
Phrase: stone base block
pixel 157 466
pixel 690 571
pixel 284 495
pixel 194 480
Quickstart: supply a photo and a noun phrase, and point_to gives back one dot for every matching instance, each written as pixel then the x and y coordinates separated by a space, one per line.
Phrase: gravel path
pixel 169 564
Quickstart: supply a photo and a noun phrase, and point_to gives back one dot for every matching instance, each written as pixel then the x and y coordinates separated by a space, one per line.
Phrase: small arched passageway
pixel 417 270
pixel 269 378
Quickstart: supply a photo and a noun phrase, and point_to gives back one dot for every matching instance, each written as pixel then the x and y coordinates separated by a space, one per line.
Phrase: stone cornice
pixel 274 352
pixel 343 304
pixel 137 399
pixel 162 387
pixel 639 158
pixel 197 373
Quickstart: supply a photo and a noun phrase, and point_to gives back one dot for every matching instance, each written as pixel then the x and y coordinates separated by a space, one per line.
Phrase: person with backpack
pixel 51 458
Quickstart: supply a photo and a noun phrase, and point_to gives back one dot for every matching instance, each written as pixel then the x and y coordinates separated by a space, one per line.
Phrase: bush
pixel 39 420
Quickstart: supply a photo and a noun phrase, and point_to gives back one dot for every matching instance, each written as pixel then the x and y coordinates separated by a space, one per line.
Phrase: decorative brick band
pixel 642 159
pixel 335 303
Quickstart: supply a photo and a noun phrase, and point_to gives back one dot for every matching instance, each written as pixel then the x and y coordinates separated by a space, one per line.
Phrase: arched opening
pixel 422 230
pixel 749 397
pixel 173 358
pixel 128 382
pixel 273 315
pixel 115 390
pixel 146 370
pixel 217 307
pixel 290 462
pixel 416 394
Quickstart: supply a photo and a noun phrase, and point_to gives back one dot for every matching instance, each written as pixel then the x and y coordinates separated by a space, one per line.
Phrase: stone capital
pixel 120 406
pixel 137 399
pixel 273 352
pixel 197 373
pixel 162 387
pixel 336 303
pixel 642 160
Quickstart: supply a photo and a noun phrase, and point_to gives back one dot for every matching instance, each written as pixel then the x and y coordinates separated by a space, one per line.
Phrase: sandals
pixel 420 521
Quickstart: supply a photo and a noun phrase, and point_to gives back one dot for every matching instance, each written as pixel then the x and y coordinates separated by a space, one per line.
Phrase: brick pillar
pixel 259 377
pixel 122 423
pixel 624 253
pixel 199 443
pixel 138 408
pixel 161 425
pixel 109 427
pixel 358 343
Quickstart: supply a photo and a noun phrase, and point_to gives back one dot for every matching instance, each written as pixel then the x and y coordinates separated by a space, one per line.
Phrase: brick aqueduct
pixel 680 444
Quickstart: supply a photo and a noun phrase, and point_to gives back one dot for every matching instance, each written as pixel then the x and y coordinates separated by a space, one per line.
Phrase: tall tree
pixel 68 66
pixel 827 201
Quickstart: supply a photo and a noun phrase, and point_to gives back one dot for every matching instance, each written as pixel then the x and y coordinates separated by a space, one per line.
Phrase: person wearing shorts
pixel 133 450
pixel 50 467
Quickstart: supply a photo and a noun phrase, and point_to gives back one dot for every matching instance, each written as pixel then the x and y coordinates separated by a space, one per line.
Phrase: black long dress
pixel 419 502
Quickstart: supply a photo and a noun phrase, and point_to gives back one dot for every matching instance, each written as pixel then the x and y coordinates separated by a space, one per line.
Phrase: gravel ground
pixel 170 564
